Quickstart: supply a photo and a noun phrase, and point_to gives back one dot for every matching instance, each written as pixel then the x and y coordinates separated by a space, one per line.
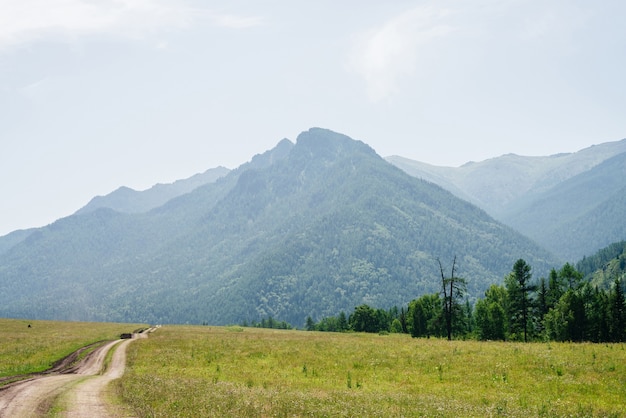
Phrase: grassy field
pixel 232 371
pixel 26 350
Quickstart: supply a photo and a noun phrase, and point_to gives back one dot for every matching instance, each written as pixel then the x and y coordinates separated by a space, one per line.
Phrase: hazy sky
pixel 99 94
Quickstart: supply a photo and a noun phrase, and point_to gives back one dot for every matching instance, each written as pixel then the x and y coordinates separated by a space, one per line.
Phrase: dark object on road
pixel 126 336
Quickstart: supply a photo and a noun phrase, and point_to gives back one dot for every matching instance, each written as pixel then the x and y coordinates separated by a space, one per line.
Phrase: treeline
pixel 562 307
pixel 267 323
pixel 363 319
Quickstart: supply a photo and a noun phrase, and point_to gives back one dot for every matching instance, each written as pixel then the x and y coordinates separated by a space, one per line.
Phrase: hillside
pixel 535 195
pixel 579 215
pixel 305 229
pixel 9 240
pixel 608 264
pixel 127 200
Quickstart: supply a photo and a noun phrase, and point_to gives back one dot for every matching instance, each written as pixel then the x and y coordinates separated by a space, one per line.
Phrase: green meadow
pixel 234 371
pixel 35 349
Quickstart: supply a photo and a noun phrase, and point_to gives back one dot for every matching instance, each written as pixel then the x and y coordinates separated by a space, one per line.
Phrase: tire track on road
pixel 87 399
pixel 83 389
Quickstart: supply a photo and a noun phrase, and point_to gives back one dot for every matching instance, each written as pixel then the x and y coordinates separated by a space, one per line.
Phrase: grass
pixel 232 371
pixel 26 350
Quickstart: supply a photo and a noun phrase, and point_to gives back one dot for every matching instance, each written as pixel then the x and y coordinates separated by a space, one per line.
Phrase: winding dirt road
pixel 82 390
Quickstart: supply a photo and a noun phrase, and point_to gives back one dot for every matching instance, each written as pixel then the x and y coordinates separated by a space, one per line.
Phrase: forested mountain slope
pixel 9 240
pixel 580 215
pixel 608 264
pixel 528 194
pixel 305 229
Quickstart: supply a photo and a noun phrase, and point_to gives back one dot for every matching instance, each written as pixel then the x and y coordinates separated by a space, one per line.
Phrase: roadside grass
pixel 108 358
pixel 56 406
pixel 233 371
pixel 27 350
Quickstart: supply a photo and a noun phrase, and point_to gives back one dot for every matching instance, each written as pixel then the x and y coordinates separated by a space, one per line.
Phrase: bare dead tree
pixel 453 288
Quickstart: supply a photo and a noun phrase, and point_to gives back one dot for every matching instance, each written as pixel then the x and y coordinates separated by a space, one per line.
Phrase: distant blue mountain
pixel 127 200
pixel 305 229
pixel 568 203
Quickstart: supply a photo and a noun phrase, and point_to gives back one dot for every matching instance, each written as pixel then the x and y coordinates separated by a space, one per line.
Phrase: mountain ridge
pixel 305 229
pixel 538 173
pixel 507 187
pixel 127 200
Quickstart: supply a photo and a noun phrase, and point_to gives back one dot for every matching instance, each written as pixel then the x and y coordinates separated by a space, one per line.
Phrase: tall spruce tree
pixel 555 289
pixel 618 312
pixel 520 303
pixel 342 322
pixel 542 303
pixel 310 324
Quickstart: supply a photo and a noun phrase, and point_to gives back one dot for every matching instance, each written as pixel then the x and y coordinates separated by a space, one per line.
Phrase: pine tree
pixel 520 301
pixel 618 313
pixel 342 322
pixel 555 289
pixel 403 320
pixel 469 317
pixel 542 298
pixel 596 312
pixel 310 324
pixel 542 305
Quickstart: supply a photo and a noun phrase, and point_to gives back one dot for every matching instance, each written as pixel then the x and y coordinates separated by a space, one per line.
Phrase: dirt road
pixel 82 391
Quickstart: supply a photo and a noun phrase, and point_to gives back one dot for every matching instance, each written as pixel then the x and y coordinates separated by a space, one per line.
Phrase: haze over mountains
pixel 571 204
pixel 310 228
pixel 305 229
pixel 128 200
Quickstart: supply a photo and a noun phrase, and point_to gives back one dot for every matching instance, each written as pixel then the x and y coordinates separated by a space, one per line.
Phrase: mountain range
pixel 571 204
pixel 305 229
pixel 127 200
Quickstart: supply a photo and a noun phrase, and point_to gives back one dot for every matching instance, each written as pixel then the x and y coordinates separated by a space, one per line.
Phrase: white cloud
pixel 234 21
pixel 385 54
pixel 23 21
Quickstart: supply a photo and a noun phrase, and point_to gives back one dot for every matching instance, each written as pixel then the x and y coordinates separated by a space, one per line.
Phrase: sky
pixel 95 95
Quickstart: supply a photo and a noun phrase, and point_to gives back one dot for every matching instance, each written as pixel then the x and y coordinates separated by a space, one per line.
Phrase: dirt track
pixel 81 389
